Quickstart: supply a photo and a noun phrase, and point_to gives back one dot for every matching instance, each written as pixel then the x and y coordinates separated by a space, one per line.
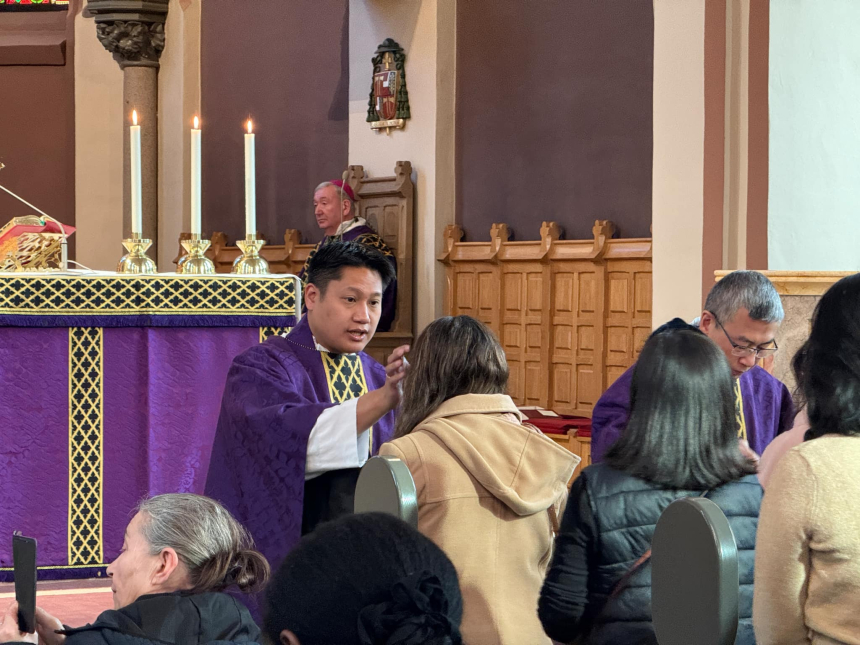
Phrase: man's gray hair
pixel 341 192
pixel 748 290
pixel 213 546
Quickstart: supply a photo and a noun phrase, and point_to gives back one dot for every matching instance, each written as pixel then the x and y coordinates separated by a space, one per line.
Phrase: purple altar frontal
pixel 110 388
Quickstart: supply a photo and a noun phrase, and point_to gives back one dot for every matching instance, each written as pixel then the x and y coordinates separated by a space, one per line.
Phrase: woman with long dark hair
pixel 490 488
pixel 680 440
pixel 808 560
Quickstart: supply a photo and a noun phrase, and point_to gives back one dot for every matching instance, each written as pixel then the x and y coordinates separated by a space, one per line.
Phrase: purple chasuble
pixel 768 411
pixel 274 394
pixel 366 235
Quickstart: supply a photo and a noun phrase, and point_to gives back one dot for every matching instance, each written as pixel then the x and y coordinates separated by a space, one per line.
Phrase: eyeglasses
pixel 742 350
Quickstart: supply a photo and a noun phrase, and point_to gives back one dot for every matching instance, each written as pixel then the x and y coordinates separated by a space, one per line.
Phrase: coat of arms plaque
pixel 389 100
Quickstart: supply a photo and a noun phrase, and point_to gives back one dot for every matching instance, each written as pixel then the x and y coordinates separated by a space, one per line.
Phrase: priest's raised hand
pixel 373 405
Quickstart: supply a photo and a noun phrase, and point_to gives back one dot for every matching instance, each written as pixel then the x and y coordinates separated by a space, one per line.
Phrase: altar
pixel 110 386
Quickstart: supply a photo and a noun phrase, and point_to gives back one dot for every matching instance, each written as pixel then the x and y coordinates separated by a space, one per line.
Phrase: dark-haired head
pixel 454 355
pixel 682 431
pixel 365 579
pixel 827 366
pixel 343 297
pixel 333 257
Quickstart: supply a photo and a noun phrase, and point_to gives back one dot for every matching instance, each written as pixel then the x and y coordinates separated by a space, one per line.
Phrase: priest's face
pixel 329 209
pixel 344 318
pixel 737 336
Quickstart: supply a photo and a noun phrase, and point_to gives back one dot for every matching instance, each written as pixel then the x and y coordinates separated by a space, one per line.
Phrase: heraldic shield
pixel 389 101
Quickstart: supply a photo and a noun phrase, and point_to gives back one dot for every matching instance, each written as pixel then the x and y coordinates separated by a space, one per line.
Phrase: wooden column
pixel 133 31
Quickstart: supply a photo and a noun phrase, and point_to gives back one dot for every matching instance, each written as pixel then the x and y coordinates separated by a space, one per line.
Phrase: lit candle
pixel 195 178
pixel 136 194
pixel 250 184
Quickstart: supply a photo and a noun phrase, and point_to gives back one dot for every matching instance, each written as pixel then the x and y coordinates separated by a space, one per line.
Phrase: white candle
pixel 136 194
pixel 250 184
pixel 195 179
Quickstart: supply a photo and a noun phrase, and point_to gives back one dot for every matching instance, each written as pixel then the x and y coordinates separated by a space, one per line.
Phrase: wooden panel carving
pixel 387 204
pixel 572 315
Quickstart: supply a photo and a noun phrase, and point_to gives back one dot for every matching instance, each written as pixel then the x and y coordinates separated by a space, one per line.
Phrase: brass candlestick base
pixel 250 262
pixel 136 260
pixel 194 262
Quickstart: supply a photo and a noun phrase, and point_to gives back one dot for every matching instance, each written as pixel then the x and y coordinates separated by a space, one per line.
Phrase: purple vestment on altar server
pixel 366 235
pixel 274 394
pixel 768 411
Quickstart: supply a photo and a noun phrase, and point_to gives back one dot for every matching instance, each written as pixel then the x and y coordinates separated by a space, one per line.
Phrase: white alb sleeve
pixel 334 443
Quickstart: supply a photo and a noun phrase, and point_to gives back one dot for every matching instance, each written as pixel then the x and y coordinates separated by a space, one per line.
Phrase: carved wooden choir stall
pixel 572 315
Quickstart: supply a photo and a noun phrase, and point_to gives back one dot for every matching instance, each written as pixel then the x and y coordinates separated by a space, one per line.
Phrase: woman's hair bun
pixel 415 614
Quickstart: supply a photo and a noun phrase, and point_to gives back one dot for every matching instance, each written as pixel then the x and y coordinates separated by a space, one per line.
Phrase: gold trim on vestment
pixel 346 371
pixel 739 411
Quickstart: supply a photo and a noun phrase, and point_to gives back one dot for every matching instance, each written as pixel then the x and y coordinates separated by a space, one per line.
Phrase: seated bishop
pixel 336 212
pixel 742 314
pixel 302 412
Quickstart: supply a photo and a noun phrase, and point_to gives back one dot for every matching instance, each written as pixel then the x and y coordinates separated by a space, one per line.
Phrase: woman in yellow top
pixel 490 489
pixel 807 569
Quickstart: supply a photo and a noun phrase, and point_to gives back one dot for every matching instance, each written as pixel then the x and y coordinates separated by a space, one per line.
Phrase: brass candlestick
pixel 194 262
pixel 136 260
pixel 250 262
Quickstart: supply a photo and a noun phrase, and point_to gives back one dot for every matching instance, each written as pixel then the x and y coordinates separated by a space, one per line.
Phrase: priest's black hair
pixel 827 366
pixel 332 257
pixel 682 433
pixel 365 579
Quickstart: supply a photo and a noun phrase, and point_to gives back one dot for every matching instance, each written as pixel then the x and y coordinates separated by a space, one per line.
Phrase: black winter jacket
pixel 608 525
pixel 175 619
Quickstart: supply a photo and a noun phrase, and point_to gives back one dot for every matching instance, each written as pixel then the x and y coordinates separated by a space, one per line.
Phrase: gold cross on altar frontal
pixel 344 374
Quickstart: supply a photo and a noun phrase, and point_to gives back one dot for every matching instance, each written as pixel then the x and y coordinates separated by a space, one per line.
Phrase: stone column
pixel 678 167
pixel 133 31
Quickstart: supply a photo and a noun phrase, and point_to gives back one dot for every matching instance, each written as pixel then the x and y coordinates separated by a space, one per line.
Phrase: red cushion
pixel 560 425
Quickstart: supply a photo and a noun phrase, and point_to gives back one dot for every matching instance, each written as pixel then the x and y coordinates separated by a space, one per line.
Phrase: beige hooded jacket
pixel 490 494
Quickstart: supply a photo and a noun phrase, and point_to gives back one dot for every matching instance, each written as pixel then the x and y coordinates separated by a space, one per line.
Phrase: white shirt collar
pixel 320 348
pixel 350 224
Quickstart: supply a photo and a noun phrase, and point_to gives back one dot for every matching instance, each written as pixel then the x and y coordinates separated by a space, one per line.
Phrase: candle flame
pixel 196 123
pixel 134 117
pixel 250 127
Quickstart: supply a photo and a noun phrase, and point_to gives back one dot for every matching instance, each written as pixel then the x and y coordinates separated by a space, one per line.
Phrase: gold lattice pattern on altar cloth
pixel 265 332
pixel 345 376
pixel 86 448
pixel 125 295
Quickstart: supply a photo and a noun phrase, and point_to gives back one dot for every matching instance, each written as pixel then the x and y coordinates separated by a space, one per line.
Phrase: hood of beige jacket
pixel 516 462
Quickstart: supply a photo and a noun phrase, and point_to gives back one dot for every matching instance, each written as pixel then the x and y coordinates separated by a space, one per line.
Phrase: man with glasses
pixel 742 314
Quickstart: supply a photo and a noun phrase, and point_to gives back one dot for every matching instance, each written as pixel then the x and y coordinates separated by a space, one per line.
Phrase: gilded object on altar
pixel 389 99
pixel 31 243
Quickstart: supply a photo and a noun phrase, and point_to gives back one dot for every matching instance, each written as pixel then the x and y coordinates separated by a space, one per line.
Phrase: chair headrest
pixel 385 485
pixel 694 575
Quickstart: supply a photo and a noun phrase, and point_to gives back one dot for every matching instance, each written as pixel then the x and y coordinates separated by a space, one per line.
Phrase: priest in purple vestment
pixel 337 215
pixel 742 314
pixel 301 413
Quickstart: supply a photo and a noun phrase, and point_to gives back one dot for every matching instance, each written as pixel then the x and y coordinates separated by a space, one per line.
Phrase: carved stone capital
pixel 132 30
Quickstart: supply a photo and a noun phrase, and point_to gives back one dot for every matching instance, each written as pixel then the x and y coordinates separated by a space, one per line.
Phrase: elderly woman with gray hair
pixel 179 553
